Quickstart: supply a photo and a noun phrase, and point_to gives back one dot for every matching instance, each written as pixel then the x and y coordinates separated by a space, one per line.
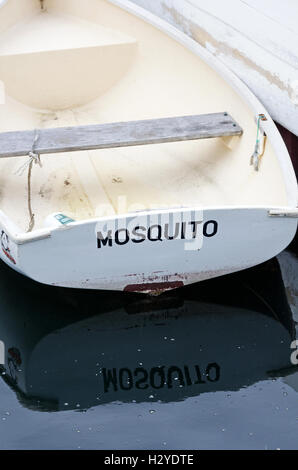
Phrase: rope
pixel 257 146
pixel 256 156
pixel 258 131
pixel 33 158
pixel 264 146
pixel 31 215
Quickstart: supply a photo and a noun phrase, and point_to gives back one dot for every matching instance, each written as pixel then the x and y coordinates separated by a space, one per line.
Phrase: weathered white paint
pixel 169 75
pixel 257 40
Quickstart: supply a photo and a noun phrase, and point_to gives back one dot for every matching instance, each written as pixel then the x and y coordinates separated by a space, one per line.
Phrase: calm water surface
pixel 205 367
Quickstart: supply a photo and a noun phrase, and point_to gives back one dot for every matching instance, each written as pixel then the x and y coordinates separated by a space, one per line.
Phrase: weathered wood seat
pixel 121 134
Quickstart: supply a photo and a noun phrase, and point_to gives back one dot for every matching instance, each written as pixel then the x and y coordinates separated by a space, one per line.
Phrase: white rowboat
pixel 143 142
pixel 256 39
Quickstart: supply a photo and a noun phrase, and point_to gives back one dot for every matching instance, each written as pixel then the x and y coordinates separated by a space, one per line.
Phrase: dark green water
pixel 205 367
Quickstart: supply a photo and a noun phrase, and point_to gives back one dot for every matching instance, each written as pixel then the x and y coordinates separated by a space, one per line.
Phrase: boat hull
pixel 256 42
pixel 225 223
pixel 150 251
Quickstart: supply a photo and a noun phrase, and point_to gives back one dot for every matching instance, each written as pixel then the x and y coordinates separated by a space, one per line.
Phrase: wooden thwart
pixel 120 134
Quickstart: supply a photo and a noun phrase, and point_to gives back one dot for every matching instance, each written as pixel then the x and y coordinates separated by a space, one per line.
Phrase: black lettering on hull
pixel 156 233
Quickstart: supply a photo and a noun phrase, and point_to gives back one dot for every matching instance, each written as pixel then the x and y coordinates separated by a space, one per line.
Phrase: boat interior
pixel 74 62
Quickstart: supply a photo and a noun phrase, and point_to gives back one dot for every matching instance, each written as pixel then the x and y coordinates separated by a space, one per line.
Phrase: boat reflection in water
pixel 74 350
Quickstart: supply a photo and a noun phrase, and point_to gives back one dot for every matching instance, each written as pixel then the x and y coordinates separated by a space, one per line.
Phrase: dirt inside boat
pixel 68 63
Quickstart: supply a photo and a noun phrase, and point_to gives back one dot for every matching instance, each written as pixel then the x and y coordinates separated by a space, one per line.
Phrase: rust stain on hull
pixel 154 288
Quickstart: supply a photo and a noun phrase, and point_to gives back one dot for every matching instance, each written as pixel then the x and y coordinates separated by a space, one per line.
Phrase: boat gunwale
pixel 21 238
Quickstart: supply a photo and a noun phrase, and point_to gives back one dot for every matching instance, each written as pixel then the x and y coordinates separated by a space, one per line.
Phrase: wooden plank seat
pixel 121 134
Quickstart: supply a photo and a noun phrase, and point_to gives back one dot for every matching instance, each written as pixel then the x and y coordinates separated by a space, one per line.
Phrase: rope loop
pixel 33 158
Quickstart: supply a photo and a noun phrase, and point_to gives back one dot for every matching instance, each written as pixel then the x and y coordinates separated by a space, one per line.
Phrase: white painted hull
pixel 229 240
pixel 221 206
pixel 256 40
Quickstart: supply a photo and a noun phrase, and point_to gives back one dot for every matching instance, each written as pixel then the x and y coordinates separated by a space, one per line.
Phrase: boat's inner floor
pixel 101 64
pixel 88 184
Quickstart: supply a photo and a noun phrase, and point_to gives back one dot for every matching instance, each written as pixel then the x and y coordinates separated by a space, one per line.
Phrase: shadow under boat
pixel 68 349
